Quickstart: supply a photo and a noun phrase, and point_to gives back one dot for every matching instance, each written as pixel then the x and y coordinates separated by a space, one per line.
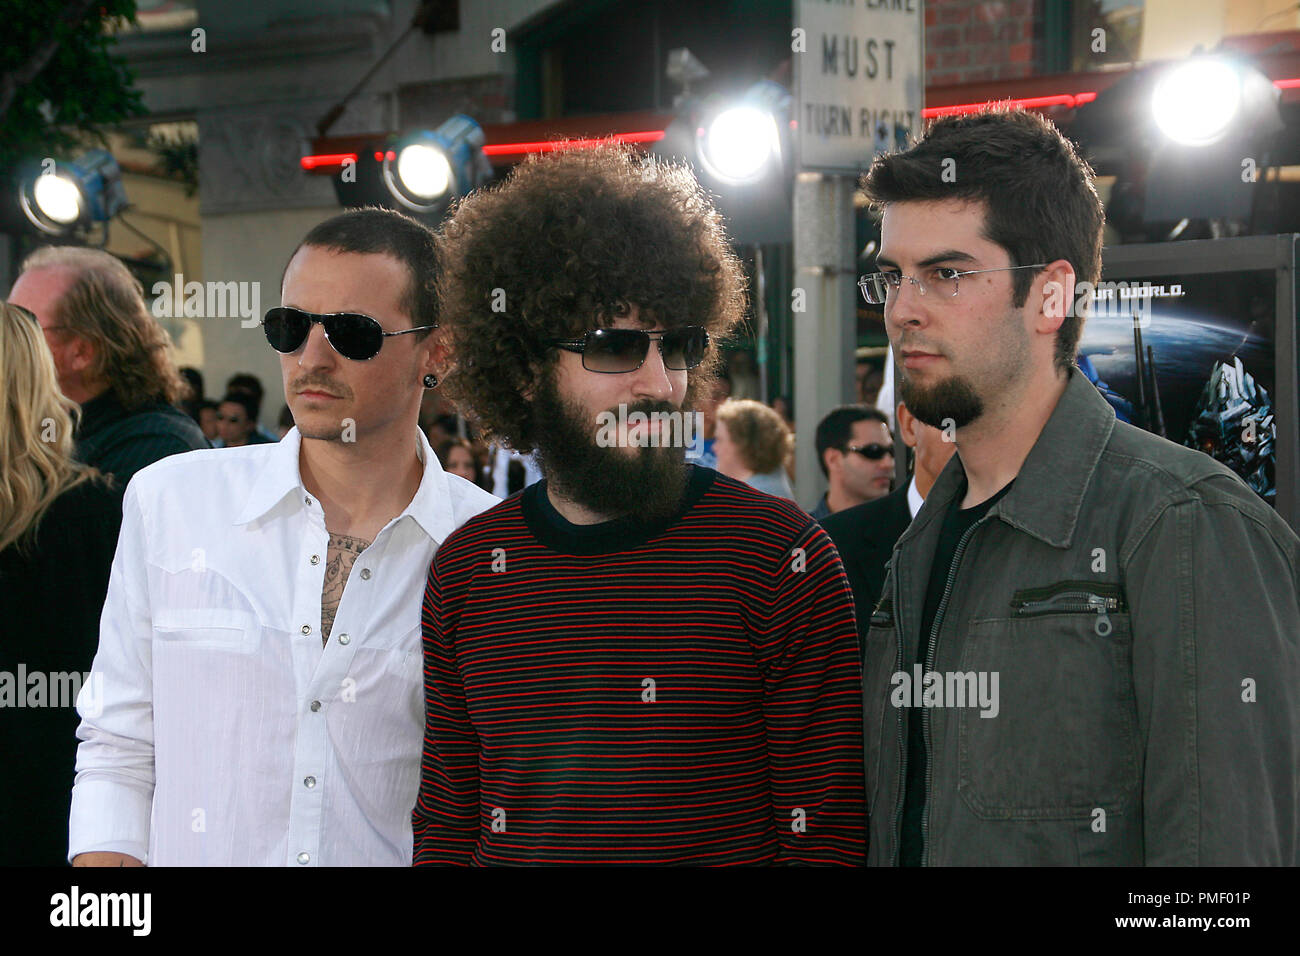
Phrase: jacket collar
pixel 1048 494
pixel 431 508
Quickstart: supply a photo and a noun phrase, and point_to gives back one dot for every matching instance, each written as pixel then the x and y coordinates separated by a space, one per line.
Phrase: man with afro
pixel 636 660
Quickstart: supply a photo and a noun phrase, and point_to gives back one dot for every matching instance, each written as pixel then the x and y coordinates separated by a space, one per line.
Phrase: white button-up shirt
pixel 216 730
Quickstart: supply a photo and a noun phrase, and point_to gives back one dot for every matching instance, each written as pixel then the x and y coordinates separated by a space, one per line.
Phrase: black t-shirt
pixel 955 524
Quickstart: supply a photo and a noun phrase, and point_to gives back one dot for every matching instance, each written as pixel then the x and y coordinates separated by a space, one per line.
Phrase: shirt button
pixel 307 502
pixel 344 639
pixel 309 782
pixel 304 858
pixel 365 574
pixel 315 559
pixel 306 628
pixel 315 706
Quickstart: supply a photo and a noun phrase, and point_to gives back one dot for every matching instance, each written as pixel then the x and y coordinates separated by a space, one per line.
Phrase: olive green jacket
pixel 1136 604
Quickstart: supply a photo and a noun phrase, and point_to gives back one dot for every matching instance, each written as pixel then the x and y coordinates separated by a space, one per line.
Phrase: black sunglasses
pixel 624 350
pixel 352 335
pixel 872 452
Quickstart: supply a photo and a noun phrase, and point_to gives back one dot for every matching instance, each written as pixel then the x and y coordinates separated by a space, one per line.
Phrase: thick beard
pixel 645 482
pixel 950 401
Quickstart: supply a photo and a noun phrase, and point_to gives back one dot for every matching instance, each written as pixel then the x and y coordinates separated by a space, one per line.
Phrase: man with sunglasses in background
pixel 1085 652
pixel 637 660
pixel 856 453
pixel 260 652
pixel 865 534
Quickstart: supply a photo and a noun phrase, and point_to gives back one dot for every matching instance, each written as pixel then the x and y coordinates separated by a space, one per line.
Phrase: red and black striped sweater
pixel 680 693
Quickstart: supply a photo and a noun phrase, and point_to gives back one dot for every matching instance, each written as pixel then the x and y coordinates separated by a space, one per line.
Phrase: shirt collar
pixel 431 508
pixel 914 499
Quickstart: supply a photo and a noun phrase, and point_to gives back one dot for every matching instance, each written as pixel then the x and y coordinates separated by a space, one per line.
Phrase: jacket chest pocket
pixel 880 654
pixel 1063 741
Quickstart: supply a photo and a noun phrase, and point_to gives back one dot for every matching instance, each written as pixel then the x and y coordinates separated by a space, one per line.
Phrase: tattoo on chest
pixel 343 551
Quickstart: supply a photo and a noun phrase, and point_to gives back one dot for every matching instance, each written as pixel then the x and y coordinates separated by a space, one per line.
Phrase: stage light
pixel 1196 102
pixel 56 198
pixel 741 142
pixel 60 198
pixel 426 169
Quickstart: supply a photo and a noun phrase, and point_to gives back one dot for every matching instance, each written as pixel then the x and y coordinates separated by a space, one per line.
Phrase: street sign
pixel 859 80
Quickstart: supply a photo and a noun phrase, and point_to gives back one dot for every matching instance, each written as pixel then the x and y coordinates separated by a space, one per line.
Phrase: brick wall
pixel 971 41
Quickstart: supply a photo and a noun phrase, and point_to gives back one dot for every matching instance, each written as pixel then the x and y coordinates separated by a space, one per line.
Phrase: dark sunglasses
pixel 872 452
pixel 624 350
pixel 352 335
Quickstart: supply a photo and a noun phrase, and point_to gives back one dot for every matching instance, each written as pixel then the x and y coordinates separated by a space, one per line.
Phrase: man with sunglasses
pixel 1086 647
pixel 260 650
pixel 637 660
pixel 865 534
pixel 856 453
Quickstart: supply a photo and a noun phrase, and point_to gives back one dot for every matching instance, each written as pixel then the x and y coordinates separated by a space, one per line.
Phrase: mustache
pixel 908 345
pixel 321 382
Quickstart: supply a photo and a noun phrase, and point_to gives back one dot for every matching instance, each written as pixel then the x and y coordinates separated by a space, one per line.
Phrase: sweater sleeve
pixel 807 648
pixel 445 821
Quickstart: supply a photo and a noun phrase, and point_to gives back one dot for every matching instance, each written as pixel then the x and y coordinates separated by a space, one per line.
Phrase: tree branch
pixel 10 83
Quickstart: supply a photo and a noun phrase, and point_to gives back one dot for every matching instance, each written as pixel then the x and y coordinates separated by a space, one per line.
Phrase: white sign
pixel 859 79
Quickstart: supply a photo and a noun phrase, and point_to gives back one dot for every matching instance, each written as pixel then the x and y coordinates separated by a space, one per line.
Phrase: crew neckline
pixel 556 532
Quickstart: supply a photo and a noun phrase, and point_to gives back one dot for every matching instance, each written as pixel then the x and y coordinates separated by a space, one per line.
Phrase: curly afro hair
pixel 567 243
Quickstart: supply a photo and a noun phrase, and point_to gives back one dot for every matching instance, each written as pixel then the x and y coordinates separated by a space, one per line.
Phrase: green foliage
pixel 178 158
pixel 82 88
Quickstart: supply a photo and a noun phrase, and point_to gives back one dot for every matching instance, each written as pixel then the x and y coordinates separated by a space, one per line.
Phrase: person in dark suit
pixel 865 534
pixel 59 523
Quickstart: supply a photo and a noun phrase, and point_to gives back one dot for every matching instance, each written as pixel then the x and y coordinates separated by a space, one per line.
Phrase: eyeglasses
pixel 351 334
pixel 942 281
pixel 872 452
pixel 624 350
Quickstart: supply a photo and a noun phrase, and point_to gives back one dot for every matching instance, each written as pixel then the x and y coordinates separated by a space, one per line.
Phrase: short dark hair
pixel 1039 196
pixel 246 382
pixel 835 430
pixel 195 379
pixel 246 401
pixel 569 242
pixel 373 230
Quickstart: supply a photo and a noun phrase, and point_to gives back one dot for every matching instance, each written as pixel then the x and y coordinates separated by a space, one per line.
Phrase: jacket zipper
pixel 925 715
pixel 898 724
pixel 1072 601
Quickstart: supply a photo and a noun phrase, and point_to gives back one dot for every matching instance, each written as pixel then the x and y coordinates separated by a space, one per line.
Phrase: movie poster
pixel 1191 358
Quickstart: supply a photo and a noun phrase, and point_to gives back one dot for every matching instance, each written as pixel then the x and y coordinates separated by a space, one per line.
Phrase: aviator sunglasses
pixel 351 334
pixel 624 350
pixel 872 452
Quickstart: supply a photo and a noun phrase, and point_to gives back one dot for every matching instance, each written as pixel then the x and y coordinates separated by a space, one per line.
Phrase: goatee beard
pixel 949 402
pixel 645 483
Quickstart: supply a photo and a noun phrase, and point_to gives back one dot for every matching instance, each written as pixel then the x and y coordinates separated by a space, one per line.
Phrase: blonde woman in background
pixel 752 444
pixel 58 529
